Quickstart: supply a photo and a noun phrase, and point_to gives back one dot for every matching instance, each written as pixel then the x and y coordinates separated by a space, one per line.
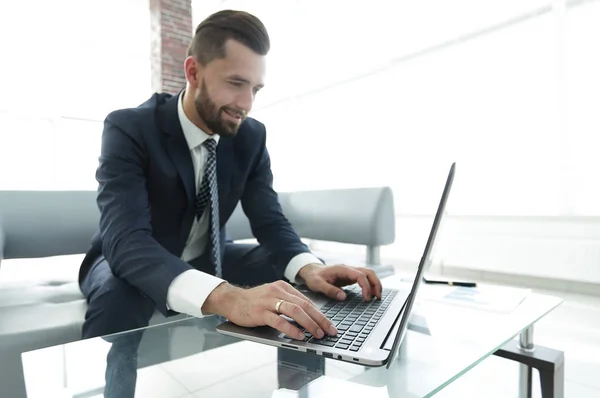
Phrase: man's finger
pixel 296 297
pixel 353 274
pixel 280 323
pixel 374 280
pixel 330 290
pixel 298 314
pixel 317 316
pixel 358 276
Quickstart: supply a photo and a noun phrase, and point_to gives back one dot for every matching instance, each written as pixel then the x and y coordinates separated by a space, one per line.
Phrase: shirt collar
pixel 193 134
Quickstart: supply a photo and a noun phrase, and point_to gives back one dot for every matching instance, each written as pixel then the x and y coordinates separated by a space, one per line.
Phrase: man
pixel 170 174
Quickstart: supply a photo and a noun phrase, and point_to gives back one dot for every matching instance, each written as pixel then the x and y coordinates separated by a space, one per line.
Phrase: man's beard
pixel 213 116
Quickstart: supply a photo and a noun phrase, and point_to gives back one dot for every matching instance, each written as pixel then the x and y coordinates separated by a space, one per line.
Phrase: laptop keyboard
pixel 354 319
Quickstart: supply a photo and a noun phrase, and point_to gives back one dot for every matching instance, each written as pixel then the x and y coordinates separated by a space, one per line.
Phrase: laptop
pixel 369 332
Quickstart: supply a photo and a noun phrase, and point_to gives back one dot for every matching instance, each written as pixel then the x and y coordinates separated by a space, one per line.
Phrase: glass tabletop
pixel 188 358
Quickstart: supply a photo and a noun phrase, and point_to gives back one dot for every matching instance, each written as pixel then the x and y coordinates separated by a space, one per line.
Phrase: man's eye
pixel 236 84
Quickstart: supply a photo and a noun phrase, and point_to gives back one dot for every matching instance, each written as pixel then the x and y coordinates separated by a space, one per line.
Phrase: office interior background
pixel 359 94
pixel 362 94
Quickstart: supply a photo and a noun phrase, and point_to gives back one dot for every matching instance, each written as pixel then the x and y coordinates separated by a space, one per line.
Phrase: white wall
pixel 550 247
pixel 565 248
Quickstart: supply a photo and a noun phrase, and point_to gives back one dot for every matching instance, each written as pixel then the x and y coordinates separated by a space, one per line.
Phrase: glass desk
pixel 188 358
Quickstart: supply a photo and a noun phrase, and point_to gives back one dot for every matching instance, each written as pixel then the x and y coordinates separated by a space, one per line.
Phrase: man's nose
pixel 245 100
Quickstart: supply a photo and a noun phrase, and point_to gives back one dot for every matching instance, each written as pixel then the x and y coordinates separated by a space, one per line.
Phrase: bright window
pixel 388 93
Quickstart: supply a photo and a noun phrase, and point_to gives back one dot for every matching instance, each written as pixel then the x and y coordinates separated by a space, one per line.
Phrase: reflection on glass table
pixel 188 358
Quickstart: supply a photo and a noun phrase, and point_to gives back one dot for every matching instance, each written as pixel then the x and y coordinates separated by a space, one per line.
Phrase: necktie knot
pixel 210 144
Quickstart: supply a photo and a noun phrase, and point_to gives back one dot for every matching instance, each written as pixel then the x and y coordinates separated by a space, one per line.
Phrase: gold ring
pixel 277 306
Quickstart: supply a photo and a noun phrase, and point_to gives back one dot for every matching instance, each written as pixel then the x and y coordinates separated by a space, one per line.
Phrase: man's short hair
pixel 211 35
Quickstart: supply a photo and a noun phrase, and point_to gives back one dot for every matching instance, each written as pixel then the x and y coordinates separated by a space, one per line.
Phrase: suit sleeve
pixel 267 221
pixel 125 226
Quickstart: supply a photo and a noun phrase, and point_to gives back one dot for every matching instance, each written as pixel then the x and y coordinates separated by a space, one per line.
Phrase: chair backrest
pixel 47 223
pixel 363 216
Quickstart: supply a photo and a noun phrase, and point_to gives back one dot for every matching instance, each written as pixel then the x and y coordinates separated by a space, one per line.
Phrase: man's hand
pixel 257 307
pixel 329 280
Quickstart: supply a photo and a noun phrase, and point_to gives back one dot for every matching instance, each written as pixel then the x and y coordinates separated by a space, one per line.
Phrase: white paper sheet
pixel 500 299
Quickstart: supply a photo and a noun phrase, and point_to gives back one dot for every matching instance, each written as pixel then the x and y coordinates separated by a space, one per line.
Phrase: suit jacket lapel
pixel 177 148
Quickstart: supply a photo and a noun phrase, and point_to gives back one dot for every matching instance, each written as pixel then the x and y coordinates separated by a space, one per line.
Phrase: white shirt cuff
pixel 299 261
pixel 189 291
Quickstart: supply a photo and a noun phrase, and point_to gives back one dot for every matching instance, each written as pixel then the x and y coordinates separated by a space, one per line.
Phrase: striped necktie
pixel 208 198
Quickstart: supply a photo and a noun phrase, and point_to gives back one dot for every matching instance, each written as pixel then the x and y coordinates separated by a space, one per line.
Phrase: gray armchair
pixel 361 216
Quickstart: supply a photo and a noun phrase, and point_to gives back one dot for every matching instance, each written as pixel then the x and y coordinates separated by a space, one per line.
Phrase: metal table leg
pixel 525 371
pixel 550 364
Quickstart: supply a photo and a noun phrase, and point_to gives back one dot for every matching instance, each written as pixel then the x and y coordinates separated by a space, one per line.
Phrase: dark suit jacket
pixel 147 196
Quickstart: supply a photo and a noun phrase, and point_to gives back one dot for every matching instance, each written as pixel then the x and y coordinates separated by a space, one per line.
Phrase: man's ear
pixel 193 71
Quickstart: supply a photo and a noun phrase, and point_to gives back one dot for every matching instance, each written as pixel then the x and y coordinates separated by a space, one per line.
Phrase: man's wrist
pixel 221 298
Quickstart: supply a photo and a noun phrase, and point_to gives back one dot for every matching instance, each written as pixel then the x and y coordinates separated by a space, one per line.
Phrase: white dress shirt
pixel 189 290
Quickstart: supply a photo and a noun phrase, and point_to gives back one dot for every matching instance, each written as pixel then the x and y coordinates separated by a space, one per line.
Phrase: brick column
pixel 170 35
